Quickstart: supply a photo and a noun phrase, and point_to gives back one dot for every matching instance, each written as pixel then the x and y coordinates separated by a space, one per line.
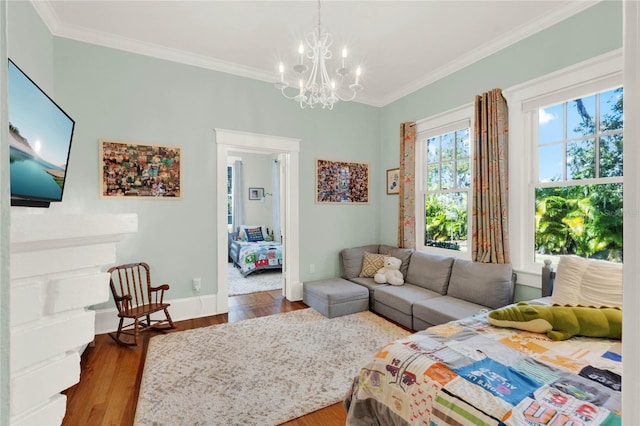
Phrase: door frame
pixel 229 140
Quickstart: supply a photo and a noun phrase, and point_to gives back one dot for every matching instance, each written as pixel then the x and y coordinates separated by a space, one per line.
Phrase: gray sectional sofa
pixel 437 288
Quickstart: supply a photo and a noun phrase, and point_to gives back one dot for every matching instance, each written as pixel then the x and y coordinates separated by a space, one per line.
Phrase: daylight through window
pixel 578 195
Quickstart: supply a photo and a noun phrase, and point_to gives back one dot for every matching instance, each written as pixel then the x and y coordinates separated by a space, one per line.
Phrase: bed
pixel 254 254
pixel 470 372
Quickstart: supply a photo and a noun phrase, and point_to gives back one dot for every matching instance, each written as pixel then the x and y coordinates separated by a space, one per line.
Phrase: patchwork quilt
pixel 469 372
pixel 253 256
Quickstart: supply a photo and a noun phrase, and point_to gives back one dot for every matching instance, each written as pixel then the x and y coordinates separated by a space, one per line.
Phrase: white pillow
pixel 587 282
pixel 566 286
pixel 602 284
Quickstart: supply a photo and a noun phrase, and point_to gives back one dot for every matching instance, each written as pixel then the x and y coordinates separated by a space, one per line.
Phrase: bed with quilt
pixel 490 369
pixel 252 250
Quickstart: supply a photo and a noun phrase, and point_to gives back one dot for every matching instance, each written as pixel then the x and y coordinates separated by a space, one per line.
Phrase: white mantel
pixel 57 264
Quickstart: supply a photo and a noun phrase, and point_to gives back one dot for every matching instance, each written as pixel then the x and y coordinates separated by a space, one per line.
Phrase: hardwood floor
pixel 107 393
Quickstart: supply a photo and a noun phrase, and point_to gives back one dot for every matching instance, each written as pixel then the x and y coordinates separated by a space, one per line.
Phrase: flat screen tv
pixel 40 135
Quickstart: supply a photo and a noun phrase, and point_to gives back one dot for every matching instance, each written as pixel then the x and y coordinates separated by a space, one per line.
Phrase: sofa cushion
pixel 430 271
pixel 402 297
pixel 439 310
pixel 351 260
pixel 403 254
pixel 487 284
pixel 371 263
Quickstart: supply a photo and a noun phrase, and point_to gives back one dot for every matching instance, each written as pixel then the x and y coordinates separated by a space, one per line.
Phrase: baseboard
pixel 180 309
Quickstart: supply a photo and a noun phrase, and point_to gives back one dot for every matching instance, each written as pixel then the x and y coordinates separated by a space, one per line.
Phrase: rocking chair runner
pixel 136 300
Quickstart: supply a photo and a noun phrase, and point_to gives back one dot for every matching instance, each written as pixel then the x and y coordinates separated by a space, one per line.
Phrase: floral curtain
pixel 407 191
pixel 490 226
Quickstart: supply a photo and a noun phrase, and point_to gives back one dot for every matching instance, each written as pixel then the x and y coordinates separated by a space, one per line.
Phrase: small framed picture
pixel 393 181
pixel 256 193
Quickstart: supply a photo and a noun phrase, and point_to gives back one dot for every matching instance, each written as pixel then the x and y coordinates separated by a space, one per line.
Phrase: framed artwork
pixel 393 181
pixel 342 182
pixel 136 170
pixel 256 193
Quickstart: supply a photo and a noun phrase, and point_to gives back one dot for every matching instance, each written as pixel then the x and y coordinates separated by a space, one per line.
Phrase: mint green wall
pixel 30 44
pixel 119 95
pixel 592 32
pixel 595 31
pixel 123 96
pixel 257 169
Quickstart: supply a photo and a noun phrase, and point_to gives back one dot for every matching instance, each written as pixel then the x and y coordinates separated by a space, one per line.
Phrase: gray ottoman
pixel 335 297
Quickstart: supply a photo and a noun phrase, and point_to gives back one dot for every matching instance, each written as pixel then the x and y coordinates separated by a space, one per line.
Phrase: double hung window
pixel 443 166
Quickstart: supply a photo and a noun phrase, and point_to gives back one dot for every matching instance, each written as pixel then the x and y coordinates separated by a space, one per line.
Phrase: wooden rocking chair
pixel 136 300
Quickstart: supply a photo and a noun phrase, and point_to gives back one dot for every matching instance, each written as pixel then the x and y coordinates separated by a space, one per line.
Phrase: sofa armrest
pixel 351 260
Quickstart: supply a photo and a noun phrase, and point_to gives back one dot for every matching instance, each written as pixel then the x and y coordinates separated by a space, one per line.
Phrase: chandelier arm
pixel 319 89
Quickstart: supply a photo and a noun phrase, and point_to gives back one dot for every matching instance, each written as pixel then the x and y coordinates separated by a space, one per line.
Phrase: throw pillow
pixel 566 287
pixel 254 234
pixel 371 262
pixel 602 284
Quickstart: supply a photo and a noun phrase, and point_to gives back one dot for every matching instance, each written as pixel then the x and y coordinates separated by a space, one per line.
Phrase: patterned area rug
pixel 262 371
pixel 258 281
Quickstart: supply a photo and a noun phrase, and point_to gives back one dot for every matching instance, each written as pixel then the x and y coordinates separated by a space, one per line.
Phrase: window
pixel 444 182
pixel 578 195
pixel 565 165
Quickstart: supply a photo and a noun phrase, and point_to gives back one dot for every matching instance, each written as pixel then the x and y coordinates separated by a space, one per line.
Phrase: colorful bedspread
pixel 469 372
pixel 258 255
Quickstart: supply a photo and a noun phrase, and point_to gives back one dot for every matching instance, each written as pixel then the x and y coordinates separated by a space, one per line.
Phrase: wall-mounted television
pixel 40 135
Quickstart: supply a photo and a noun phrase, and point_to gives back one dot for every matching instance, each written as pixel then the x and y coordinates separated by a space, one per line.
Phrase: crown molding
pixel 519 34
pixel 86 35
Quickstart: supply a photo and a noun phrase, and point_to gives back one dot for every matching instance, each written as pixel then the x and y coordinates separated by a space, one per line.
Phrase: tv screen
pixel 40 134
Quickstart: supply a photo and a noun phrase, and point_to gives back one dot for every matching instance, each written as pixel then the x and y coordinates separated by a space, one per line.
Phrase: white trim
pixel 180 309
pixel 289 148
pixel 60 29
pixel 595 74
pixel 514 36
pixel 631 290
pixel 442 123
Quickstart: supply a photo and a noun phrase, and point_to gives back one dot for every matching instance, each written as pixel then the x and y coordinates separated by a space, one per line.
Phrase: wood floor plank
pixel 110 376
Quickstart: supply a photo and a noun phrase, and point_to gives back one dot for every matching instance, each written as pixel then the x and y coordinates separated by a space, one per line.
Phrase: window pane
pixel 446 175
pixel 611 156
pixel 611 117
pixel 433 150
pixel 462 143
pixel 550 121
pixel 581 157
pixel 433 177
pixel 581 117
pixel 448 142
pixel 463 174
pixel 550 163
pixel 446 220
pixel 585 220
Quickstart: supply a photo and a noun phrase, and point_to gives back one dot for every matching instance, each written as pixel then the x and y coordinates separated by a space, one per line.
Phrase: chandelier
pixel 317 87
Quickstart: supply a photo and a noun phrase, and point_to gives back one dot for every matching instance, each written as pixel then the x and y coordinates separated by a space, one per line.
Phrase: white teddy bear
pixel 390 273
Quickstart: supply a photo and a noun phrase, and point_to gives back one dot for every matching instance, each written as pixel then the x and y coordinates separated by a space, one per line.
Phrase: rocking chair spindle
pixel 136 300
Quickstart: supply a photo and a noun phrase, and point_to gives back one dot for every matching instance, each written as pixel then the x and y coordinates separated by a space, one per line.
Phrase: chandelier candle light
pixel 317 88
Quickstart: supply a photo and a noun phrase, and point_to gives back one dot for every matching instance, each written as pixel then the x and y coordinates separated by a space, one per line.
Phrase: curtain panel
pixel 490 227
pixel 407 187
pixel 237 184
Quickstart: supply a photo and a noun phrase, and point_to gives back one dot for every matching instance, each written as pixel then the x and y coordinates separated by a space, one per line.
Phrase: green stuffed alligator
pixel 560 322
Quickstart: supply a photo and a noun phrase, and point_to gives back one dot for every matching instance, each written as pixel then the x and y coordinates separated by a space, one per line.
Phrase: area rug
pixel 258 281
pixel 262 371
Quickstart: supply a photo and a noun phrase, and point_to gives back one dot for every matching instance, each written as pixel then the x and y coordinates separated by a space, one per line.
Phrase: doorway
pixel 288 152
pixel 253 193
